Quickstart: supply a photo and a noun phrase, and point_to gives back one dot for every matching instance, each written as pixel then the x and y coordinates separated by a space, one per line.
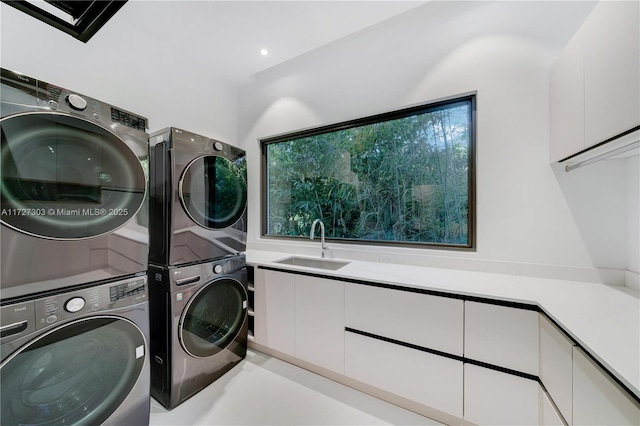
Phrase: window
pixel 403 178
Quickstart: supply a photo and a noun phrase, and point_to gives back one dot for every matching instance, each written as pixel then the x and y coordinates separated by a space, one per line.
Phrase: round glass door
pixel 79 374
pixel 66 178
pixel 213 191
pixel 213 318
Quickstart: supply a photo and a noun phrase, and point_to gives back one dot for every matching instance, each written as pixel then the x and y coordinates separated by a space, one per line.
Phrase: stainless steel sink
pixel 307 262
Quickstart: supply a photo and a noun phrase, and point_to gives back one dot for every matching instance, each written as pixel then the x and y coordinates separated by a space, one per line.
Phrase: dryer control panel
pixel 27 90
pixel 52 309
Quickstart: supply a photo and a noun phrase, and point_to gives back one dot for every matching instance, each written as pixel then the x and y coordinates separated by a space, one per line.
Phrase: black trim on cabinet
pixel 479 299
pixel 592 147
pixel 463 359
pixel 405 344
pixel 509 304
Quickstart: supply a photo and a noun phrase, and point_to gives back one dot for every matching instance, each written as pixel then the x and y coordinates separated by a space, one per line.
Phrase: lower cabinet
pixel 556 366
pixel 300 316
pixel 502 336
pixel 411 345
pixel 319 322
pixel 428 379
pixel 597 399
pixel 495 398
pixel 548 415
pixel 274 310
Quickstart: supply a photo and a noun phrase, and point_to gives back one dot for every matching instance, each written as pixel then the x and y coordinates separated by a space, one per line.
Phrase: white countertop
pixel 604 320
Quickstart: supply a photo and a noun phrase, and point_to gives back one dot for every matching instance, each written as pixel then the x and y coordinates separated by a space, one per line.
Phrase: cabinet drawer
pixel 428 379
pixel 597 399
pixel 502 336
pixel 495 398
pixel 556 353
pixel 429 321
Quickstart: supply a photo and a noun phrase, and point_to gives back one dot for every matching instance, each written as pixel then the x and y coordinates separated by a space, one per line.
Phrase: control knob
pixel 217 145
pixel 74 304
pixel 217 269
pixel 76 102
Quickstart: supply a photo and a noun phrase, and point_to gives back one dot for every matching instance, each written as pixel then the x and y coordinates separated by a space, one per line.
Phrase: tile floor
pixel 262 390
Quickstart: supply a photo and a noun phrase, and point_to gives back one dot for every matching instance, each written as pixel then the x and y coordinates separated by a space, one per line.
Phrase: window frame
pixel 405 112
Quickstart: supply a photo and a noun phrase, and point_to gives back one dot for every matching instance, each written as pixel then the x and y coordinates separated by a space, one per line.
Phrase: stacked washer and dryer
pixel 197 269
pixel 74 309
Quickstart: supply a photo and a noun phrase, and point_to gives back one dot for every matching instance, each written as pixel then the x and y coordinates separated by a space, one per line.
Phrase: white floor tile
pixel 262 390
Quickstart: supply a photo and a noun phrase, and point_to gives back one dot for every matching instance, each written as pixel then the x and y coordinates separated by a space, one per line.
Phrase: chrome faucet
pixel 313 230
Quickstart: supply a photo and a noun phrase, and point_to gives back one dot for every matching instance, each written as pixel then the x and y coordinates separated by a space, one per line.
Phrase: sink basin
pixel 331 264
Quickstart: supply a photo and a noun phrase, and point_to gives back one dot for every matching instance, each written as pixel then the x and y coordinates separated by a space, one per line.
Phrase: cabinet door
pixel 611 70
pixel 566 101
pixel 548 414
pixel 428 379
pixel 275 310
pixel 503 336
pixel 597 399
pixel 495 398
pixel 424 320
pixel 319 328
pixel 556 361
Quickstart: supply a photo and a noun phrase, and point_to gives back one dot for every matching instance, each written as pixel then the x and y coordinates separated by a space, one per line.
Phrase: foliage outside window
pixel 405 177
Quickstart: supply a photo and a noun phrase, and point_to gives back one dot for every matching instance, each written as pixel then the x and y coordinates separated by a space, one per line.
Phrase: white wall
pixel 133 72
pixel 633 222
pixel 531 219
pixel 527 223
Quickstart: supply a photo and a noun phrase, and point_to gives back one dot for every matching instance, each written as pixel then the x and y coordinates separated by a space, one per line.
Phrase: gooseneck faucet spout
pixel 313 231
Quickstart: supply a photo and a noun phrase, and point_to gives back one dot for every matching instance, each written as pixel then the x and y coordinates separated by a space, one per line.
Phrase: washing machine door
pixel 213 318
pixel 77 374
pixel 213 190
pixel 66 178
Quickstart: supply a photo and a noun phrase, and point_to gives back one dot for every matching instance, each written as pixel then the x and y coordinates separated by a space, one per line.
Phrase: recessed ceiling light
pixel 264 52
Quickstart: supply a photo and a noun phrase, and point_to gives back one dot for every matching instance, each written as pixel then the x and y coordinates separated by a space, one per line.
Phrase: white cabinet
pixel 566 101
pixel 495 398
pixel 597 399
pixel 428 379
pixel 594 84
pixel 429 321
pixel 611 70
pixel 319 322
pixel 548 415
pixel 556 366
pixel 275 310
pixel 300 316
pixel 502 336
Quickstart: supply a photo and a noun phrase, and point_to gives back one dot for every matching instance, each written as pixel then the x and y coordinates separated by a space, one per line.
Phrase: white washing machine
pixel 77 358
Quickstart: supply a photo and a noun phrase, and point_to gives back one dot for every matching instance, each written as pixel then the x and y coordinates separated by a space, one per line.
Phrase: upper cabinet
pixel 594 85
